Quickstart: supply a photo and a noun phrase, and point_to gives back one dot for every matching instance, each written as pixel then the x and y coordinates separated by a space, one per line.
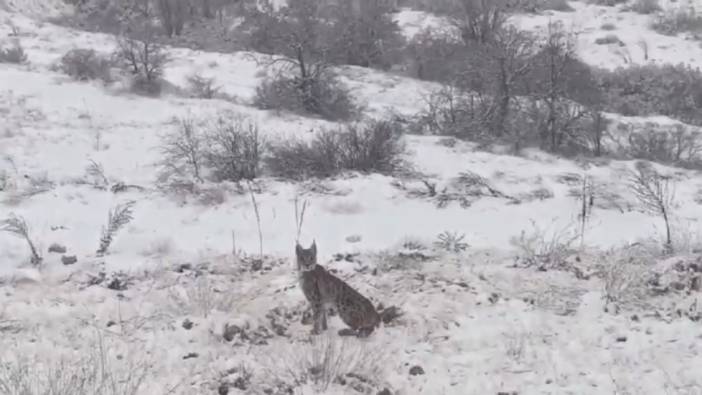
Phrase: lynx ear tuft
pixel 314 247
pixel 298 249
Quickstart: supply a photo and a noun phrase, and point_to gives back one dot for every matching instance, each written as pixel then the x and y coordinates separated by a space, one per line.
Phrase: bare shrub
pixel 366 36
pixel 17 226
pixel 556 5
pixel 375 146
pixel 13 54
pixel 644 6
pixel 479 20
pixel 609 39
pixel 434 55
pixel 450 111
pixel 86 64
pixel 302 34
pixel 172 15
pixel 466 189
pixel 451 242
pixel 652 89
pixel 324 362
pixel 680 146
pixel 117 218
pixel 234 149
pixel 94 371
pixel 142 56
pixel 625 281
pixel 545 249
pixel 656 194
pixel 201 298
pixel 561 86
pixel 183 151
pixel 608 3
pixel 678 21
pixel 201 87
pixel 319 94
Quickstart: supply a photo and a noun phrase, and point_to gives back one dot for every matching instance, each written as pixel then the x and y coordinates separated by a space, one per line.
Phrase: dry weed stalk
pixel 258 220
pixel 299 216
pixel 17 226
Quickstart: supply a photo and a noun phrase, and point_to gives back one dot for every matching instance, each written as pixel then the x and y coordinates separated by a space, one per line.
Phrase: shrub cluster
pixel 86 64
pixel 232 149
pixel 672 90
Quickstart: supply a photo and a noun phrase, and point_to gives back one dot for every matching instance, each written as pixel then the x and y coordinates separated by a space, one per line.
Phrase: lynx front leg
pixel 319 318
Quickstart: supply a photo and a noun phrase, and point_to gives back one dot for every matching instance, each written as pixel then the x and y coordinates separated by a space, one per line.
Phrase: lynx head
pixel 306 257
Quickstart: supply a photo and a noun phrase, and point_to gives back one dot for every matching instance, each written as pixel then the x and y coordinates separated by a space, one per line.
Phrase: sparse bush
pixel 609 39
pixel 325 362
pixel 656 194
pixel 321 94
pixel 95 371
pixel 608 26
pixel 451 242
pixel 172 15
pixel 366 36
pixel 201 87
pixel 608 3
pixel 17 226
pixel 234 149
pixel 183 151
pixel 13 54
pixel 434 55
pixel 85 64
pixel 440 7
pixel 671 90
pixel 645 6
pixel 117 218
pixel 201 298
pixel 679 146
pixel 144 58
pixel 543 249
pixel 556 5
pixel 372 147
pixel 678 21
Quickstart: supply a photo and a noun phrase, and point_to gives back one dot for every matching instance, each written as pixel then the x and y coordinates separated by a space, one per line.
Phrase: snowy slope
pixel 474 323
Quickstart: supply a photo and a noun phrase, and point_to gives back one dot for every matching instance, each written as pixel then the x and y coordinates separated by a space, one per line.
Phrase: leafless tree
pixel 656 194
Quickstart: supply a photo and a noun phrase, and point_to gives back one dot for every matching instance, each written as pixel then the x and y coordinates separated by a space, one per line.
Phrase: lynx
pixel 324 290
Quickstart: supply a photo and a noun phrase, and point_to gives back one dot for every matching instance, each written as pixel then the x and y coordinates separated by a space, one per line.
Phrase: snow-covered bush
pixel 234 149
pixel 651 89
pixel 13 53
pixel 142 56
pixel 318 94
pixel 375 146
pixel 85 64
pixel 677 21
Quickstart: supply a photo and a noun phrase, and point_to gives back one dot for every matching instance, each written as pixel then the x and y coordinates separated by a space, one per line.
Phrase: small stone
pixel 69 259
pixel 230 331
pixel 184 267
pixel 621 339
pixel 111 323
pixel 187 324
pixel 384 391
pixel 191 355
pixel 223 389
pixel 353 238
pixel 57 248
pixel 416 370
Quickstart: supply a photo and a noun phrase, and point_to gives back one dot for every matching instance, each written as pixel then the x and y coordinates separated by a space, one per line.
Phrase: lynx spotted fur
pixel 323 290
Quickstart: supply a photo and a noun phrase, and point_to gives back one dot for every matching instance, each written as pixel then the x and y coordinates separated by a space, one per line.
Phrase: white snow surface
pixel 474 324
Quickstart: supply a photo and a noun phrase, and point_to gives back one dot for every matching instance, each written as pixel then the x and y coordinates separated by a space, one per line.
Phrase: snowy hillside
pixel 503 288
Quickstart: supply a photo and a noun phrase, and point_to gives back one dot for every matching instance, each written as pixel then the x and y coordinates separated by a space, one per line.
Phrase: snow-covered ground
pixel 155 308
